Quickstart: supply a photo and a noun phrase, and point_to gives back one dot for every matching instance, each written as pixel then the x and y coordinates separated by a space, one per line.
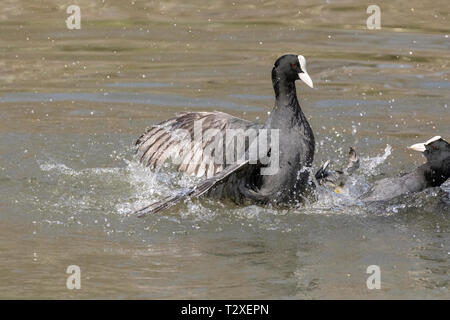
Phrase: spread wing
pixel 196 141
pixel 227 179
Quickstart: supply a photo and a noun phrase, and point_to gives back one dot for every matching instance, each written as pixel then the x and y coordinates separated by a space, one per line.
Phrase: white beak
pixel 304 76
pixel 418 147
pixel 421 146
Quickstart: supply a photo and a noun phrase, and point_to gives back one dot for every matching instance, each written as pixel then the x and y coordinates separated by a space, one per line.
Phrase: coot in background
pixel 431 174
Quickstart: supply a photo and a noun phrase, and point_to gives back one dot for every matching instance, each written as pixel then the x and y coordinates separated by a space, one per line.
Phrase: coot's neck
pixel 287 113
pixel 436 173
pixel 285 92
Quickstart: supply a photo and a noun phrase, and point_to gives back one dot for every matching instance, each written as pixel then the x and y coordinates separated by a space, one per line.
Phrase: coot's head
pixel 435 150
pixel 292 67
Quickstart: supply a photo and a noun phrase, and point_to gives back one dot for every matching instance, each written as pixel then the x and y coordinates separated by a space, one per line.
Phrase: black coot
pixel 279 175
pixel 431 174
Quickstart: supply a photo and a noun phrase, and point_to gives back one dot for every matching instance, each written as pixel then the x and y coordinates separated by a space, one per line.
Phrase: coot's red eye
pixel 293 65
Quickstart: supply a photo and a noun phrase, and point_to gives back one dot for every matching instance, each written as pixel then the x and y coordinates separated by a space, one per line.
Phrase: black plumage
pixel 431 174
pixel 241 180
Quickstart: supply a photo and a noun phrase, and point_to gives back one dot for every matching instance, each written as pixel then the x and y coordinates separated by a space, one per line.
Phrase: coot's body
pixel 431 174
pixel 288 158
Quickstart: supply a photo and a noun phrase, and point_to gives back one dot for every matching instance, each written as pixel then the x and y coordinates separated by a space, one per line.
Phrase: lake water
pixel 72 103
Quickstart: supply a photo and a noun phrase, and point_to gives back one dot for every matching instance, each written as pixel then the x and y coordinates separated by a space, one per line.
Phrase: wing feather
pixel 163 141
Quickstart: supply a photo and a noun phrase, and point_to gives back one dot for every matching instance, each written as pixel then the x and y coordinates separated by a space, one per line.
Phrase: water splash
pixel 132 186
pixel 51 166
pixel 59 168
pixel 369 164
